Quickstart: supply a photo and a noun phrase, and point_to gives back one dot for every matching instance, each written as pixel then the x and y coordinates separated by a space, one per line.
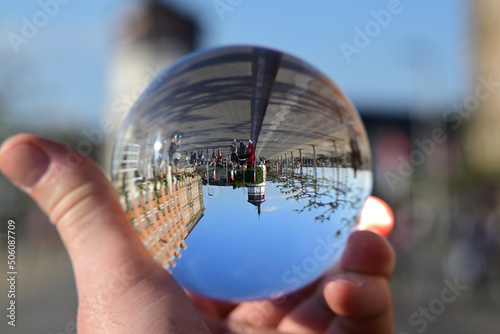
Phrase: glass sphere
pixel 243 171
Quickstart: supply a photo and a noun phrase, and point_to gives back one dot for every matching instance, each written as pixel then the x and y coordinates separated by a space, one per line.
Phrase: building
pixel 152 37
pixel 163 210
pixel 483 137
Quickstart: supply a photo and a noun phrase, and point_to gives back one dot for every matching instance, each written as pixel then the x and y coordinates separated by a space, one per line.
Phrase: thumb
pixel 111 266
pixel 78 199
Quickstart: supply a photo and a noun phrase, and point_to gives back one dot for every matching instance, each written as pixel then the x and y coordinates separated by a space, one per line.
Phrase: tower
pixel 257 194
pixel 150 39
pixel 483 137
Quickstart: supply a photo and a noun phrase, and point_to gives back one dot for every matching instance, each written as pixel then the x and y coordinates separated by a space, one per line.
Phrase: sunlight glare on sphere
pixel 243 171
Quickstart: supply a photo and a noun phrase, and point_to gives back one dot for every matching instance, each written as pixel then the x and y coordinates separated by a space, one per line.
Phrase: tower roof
pixel 156 21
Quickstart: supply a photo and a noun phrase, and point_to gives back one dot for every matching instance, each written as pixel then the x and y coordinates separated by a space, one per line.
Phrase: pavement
pixel 278 102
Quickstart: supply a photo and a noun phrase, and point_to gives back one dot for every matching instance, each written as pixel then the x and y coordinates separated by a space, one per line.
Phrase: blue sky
pixel 234 254
pixel 423 54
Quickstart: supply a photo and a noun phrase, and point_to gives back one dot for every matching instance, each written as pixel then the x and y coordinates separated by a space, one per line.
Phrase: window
pixel 136 225
pixel 171 222
pixel 157 235
pixel 145 243
pixel 150 218
pixel 156 213
pixel 162 208
pixel 166 226
pixel 173 203
pixel 143 221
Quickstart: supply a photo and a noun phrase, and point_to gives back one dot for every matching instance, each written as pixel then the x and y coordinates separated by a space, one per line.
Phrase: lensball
pixel 243 171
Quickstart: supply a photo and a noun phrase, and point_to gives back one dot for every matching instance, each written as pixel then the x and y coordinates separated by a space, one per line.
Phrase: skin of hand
pixel 121 289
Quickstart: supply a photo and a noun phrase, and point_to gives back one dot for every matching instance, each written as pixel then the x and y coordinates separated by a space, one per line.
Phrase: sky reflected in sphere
pixel 243 171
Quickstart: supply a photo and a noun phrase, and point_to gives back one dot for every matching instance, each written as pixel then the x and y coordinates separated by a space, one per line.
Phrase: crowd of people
pixel 239 155
pixel 242 154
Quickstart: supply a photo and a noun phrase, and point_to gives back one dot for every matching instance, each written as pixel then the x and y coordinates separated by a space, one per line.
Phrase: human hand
pixel 121 289
pixel 353 297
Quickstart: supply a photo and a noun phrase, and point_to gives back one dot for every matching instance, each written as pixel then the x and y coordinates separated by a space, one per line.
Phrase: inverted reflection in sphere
pixel 243 171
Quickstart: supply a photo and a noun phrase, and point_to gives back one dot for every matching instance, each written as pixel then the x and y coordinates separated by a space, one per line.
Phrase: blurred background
pixel 424 75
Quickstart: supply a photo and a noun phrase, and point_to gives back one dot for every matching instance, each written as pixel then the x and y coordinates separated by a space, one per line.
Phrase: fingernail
pixel 350 279
pixel 24 164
